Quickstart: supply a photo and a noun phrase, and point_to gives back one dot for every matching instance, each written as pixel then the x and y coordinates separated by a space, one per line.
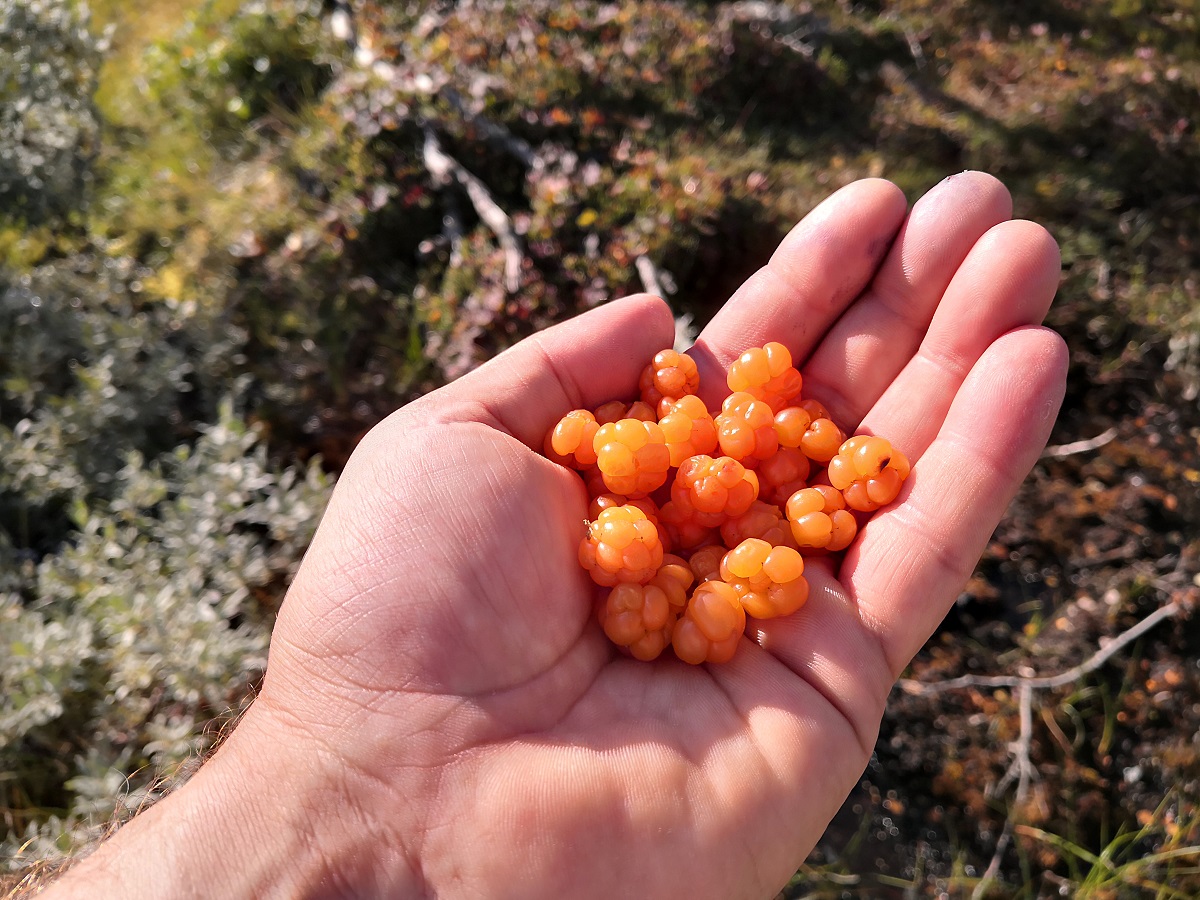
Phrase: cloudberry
pixel 606 500
pixel 641 617
pixel 615 411
pixel 689 429
pixel 819 518
pixel 569 443
pixel 769 581
pixel 716 489
pixel 675 576
pixel 783 474
pixel 705 563
pixel 746 428
pixel 622 545
pixel 682 528
pixel 670 376
pixel 763 521
pixel 868 471
pixel 632 456
pixel 711 627
pixel 822 438
pixel 767 374
pixel 638 617
pixel 791 423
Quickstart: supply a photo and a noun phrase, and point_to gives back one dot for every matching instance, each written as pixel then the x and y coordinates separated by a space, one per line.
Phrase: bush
pixel 48 126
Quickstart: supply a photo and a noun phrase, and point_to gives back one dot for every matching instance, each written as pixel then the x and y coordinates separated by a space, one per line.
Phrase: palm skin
pixel 437 670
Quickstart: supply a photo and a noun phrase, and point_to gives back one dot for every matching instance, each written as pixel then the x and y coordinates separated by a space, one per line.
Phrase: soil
pixel 1094 542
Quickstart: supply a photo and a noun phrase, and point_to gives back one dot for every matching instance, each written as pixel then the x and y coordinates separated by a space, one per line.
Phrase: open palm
pixel 439 647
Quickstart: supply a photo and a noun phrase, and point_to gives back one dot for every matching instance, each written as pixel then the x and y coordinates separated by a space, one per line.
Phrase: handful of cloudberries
pixel 699 519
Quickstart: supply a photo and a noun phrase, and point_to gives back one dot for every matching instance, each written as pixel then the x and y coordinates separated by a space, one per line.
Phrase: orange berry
pixel 670 376
pixel 688 428
pixel 819 518
pixel 767 374
pixel 761 520
pixel 711 628
pixel 746 428
pixel 632 456
pixel 606 500
pixel 639 617
pixel 569 442
pixel 783 474
pixel 868 471
pixel 768 580
pixel 716 489
pixel 822 439
pixel 622 545
pixel 790 424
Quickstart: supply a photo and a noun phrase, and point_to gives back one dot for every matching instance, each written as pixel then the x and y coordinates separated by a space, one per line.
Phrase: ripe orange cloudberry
pixel 763 521
pixel 688 428
pixel 569 442
pixel 670 376
pixel 682 528
pixel 783 474
pixel 615 411
pixel 638 617
pixel 641 617
pixel 822 438
pixel 746 428
pixel 607 500
pixel 868 471
pixel 711 627
pixel 622 545
pixel 769 581
pixel 632 456
pixel 791 423
pixel 716 489
pixel 766 373
pixel 819 519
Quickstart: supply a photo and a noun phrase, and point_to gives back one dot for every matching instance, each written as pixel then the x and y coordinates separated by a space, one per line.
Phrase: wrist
pixel 267 816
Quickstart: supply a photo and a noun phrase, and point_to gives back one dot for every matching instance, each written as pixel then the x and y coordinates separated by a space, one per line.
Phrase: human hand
pixel 439 699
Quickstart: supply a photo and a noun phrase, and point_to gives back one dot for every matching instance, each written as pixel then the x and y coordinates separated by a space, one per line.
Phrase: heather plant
pixel 48 128
pixel 151 621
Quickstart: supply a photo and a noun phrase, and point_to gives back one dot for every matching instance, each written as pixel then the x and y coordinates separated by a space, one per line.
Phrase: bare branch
pixel 1074 447
pixel 444 167
pixel 1093 662
pixel 649 276
pixel 1021 767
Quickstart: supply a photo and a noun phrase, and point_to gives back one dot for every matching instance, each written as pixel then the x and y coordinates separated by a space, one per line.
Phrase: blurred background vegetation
pixel 233 235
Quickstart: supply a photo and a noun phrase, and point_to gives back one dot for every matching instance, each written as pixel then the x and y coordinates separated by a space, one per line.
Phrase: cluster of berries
pixel 699 519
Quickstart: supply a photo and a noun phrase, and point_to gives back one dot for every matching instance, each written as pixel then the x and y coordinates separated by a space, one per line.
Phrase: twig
pixel 493 132
pixel 1074 447
pixel 444 167
pixel 1021 768
pixel 649 276
pixel 1022 765
pixel 1043 682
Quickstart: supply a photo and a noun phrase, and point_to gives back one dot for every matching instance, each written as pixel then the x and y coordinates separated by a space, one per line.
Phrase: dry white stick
pixel 1074 447
pixel 1093 662
pixel 649 276
pixel 444 167
pixel 1022 765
